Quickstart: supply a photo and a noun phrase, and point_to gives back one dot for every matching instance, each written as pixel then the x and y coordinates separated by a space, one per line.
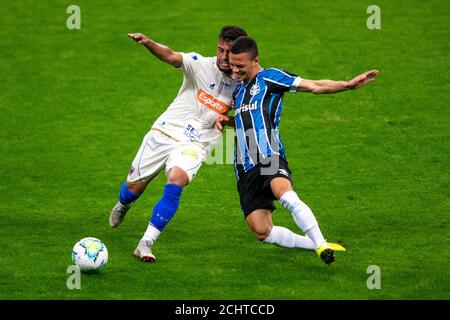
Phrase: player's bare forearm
pixel 331 86
pixel 162 52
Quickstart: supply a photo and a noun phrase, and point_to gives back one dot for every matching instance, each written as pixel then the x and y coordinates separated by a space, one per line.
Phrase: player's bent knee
pixel 260 223
pixel 262 233
pixel 136 187
pixel 178 176
pixel 280 186
pixel 261 237
pixel 178 181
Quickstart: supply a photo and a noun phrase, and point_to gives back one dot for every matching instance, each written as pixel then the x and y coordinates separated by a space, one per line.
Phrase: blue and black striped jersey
pixel 258 105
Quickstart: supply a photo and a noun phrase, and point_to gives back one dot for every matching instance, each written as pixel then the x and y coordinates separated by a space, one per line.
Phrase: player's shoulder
pixel 276 73
pixel 195 57
pixel 237 87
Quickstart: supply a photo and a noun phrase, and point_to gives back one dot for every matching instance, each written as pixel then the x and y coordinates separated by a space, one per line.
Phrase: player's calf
pixel 163 212
pixel 126 200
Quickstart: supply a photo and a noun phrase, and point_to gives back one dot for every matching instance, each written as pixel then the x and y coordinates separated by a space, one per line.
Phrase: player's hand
pixel 363 79
pixel 221 121
pixel 139 38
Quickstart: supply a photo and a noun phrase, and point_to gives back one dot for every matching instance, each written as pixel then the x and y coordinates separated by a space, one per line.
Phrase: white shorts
pixel 159 151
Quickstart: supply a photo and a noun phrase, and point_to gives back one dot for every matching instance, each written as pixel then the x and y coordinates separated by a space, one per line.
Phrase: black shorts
pixel 254 185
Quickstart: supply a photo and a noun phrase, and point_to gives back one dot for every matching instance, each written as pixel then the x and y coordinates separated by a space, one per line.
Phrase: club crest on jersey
pixel 212 85
pixel 254 90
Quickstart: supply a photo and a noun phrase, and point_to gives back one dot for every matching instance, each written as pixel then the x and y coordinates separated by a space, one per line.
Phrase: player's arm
pixel 160 51
pixel 331 86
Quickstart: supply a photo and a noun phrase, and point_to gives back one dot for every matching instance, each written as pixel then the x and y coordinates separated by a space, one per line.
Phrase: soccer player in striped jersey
pixel 260 158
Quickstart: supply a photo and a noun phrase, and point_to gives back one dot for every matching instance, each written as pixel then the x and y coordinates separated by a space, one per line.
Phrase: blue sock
pixel 166 207
pixel 126 196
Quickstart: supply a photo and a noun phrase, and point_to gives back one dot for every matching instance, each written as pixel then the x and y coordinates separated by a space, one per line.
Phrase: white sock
pixel 303 216
pixel 151 234
pixel 286 238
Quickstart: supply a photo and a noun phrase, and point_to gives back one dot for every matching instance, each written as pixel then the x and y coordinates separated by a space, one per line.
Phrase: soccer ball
pixel 90 254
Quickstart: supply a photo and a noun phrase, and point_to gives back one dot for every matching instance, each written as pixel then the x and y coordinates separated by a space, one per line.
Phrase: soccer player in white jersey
pixel 261 167
pixel 181 137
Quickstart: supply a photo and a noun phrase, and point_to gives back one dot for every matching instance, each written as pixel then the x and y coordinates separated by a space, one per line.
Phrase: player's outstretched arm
pixel 330 86
pixel 161 51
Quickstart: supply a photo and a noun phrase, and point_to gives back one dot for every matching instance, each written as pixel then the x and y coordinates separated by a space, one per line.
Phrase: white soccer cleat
pixel 144 251
pixel 118 214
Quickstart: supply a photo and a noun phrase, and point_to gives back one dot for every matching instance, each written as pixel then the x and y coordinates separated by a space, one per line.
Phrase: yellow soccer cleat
pixel 326 251
pixel 336 246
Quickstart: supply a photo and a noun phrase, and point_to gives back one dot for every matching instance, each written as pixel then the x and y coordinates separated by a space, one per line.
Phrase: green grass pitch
pixel 372 164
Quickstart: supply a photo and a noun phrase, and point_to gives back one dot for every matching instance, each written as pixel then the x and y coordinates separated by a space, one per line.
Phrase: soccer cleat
pixel 144 251
pixel 336 246
pixel 326 254
pixel 326 251
pixel 118 214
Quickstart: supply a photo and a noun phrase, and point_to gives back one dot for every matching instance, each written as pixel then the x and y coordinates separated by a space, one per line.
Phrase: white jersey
pixel 205 94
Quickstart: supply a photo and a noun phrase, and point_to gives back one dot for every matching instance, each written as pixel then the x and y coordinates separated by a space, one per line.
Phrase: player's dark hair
pixel 231 33
pixel 245 44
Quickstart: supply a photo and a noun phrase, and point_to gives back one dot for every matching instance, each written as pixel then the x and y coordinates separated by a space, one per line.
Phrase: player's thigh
pixel 187 157
pixel 150 159
pixel 260 222
pixel 280 186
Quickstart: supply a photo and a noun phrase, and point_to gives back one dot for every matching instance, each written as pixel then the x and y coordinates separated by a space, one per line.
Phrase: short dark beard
pixel 228 72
